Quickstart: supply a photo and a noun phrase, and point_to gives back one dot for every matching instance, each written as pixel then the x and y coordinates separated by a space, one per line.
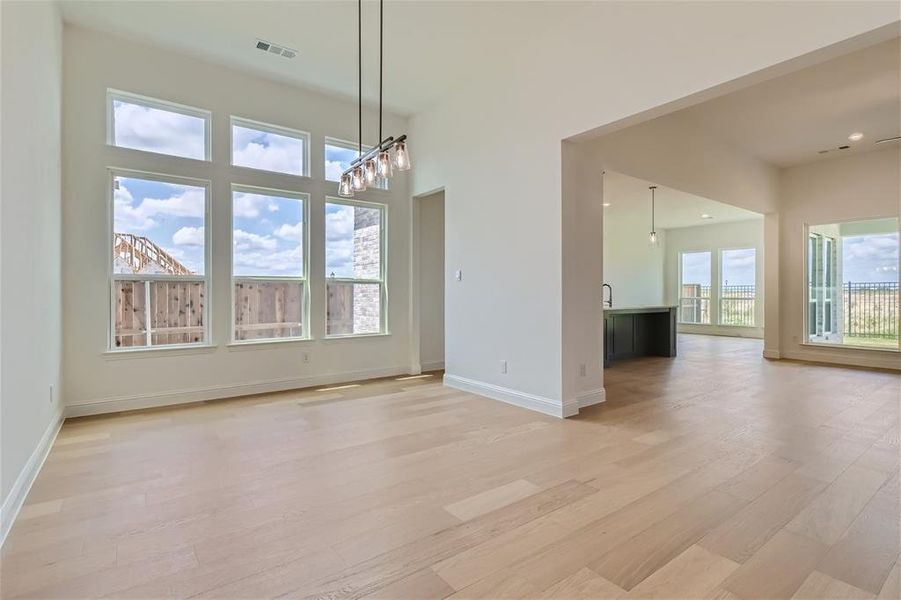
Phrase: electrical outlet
pixel 503 367
pixel 306 357
pixel 51 393
pixel 582 370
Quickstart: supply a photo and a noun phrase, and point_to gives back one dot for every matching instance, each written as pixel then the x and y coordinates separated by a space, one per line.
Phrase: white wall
pixel 30 297
pixel 865 186
pixel 97 381
pixel 631 265
pixel 494 146
pixel 431 281
pixel 713 238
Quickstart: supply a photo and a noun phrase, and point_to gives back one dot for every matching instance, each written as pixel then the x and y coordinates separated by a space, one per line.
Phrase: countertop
pixel 638 309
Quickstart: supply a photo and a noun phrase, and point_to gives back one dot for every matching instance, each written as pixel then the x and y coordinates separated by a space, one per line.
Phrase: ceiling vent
pixel 275 49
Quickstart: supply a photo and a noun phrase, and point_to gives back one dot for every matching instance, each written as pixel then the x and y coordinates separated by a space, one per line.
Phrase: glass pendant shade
pixel 357 182
pixel 345 188
pixel 652 238
pixel 401 157
pixel 383 165
pixel 369 172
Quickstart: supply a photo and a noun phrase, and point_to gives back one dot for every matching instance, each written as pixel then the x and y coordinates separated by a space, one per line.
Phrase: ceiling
pixel 629 196
pixel 430 47
pixel 788 120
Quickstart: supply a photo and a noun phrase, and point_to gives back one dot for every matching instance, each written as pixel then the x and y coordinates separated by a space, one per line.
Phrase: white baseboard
pixel 870 359
pixel 435 365
pixel 540 404
pixel 774 354
pixel 217 392
pixel 591 398
pixel 16 498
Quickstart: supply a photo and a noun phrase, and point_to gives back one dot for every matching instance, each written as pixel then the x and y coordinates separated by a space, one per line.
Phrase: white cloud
pixel 250 205
pixel 267 151
pixel 128 217
pixel 261 262
pixel 245 240
pixel 188 236
pixel 157 130
pixel 333 170
pixel 290 232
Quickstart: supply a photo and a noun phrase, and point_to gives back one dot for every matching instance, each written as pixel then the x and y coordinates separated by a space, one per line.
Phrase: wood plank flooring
pixel 717 474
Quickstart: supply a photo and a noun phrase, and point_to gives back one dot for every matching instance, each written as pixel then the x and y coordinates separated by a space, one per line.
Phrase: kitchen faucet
pixel 609 300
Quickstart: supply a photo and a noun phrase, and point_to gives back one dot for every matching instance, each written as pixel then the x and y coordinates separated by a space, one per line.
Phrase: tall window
pixel 694 288
pixel 151 125
pixel 269 147
pixel 354 265
pixel 852 283
pixel 158 262
pixel 338 156
pixel 738 287
pixel 269 236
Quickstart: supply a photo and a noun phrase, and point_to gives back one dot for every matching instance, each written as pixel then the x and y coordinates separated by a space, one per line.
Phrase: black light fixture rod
pixel 360 77
pixel 653 229
pixel 381 58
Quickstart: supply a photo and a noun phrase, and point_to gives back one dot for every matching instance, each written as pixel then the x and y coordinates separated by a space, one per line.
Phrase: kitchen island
pixel 630 332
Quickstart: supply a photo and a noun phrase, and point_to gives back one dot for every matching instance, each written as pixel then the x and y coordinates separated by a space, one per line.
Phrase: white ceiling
pixel 629 196
pixel 430 47
pixel 787 120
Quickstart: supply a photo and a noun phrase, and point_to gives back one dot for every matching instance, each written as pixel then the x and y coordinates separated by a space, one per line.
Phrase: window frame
pixel 382 186
pixel 113 94
pixel 304 197
pixel 383 267
pixel 709 299
pixel 298 134
pixel 112 277
pixel 806 280
pixel 719 291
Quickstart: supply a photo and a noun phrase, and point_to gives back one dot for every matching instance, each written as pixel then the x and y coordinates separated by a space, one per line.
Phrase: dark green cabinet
pixel 634 332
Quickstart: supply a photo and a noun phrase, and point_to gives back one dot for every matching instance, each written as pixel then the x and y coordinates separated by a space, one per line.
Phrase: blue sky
pixel 267 151
pixel 170 215
pixel 339 246
pixel 696 268
pixel 267 238
pixel 156 130
pixel 870 258
pixel 738 267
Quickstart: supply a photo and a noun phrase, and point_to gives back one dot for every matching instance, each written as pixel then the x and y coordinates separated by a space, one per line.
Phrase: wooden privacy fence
pixel 174 310
pixel 268 309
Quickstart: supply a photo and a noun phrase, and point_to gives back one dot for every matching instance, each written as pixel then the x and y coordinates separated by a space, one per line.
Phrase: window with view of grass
pixel 354 265
pixel 738 289
pixel 152 125
pixel 694 287
pixel 852 284
pixel 269 233
pixel 159 250
pixel 268 147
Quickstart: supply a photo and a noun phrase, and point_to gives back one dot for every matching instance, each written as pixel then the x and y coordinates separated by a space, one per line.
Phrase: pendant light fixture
pixel 652 237
pixel 379 163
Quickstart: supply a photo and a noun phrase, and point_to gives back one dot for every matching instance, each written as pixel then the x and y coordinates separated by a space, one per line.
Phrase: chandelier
pixel 379 163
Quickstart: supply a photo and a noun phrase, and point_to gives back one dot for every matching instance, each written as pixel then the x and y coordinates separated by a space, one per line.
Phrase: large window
pixel 338 156
pixel 694 288
pixel 157 126
pixel 158 262
pixel 269 236
pixel 269 147
pixel 738 287
pixel 354 265
pixel 852 283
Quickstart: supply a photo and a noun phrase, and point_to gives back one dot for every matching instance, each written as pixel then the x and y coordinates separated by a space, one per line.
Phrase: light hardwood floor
pixel 714 475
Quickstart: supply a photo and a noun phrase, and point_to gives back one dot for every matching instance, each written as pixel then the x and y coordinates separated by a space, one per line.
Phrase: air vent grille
pixel 279 50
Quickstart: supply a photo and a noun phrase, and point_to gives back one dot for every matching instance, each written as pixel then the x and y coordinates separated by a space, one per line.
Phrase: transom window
pixel 354 264
pixel 269 236
pixel 852 284
pixel 152 125
pixel 159 258
pixel 269 147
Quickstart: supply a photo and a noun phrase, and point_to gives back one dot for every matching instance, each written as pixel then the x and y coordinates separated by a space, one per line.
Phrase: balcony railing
pixel 737 304
pixel 871 309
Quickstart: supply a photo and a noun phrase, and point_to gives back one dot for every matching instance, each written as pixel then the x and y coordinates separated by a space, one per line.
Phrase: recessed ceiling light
pixel 606 204
pixel 856 136
pixel 706 216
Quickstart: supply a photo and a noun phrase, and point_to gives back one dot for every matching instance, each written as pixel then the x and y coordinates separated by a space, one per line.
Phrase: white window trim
pixel 112 277
pixel 303 136
pixel 147 101
pixel 805 334
pixel 383 269
pixel 719 290
pixel 304 278
pixel 383 186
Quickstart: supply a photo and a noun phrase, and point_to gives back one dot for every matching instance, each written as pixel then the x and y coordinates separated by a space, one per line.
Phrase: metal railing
pixel 871 309
pixel 737 304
